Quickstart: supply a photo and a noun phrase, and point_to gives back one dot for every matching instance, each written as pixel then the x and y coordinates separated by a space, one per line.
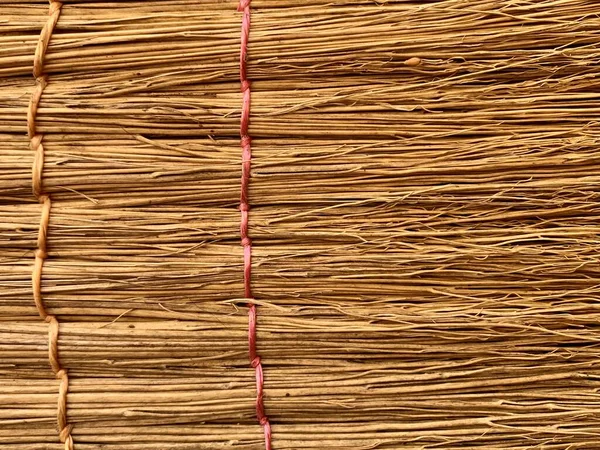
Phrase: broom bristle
pixel 424 215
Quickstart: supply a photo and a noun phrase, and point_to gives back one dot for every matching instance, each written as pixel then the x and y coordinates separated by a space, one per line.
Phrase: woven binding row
pixel 246 143
pixel 36 145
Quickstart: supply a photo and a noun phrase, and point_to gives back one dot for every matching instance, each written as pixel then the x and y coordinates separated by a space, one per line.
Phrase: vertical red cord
pixel 246 143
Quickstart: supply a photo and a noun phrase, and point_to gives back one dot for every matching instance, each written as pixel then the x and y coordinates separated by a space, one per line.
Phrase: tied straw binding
pixel 246 143
pixel 64 429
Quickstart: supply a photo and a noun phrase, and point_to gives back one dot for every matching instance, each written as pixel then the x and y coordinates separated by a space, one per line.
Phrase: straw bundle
pixel 424 216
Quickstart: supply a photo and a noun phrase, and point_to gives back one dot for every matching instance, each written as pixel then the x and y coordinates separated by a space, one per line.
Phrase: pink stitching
pixel 246 144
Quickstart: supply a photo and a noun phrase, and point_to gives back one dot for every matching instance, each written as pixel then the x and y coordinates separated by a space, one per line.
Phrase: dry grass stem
pixel 424 214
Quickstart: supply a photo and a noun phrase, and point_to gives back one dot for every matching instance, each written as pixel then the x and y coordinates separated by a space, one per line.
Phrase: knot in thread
pixel 65 433
pixel 246 140
pixel 244 206
pixel 55 5
pixel 36 141
pixel 263 420
pixel 61 374
pixel 246 242
pixel 39 253
pixel 243 4
pixel 66 438
pixel 255 362
pixel 69 443
pixel 245 85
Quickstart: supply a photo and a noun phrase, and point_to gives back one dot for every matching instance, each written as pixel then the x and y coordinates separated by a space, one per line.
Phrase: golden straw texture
pixel 424 217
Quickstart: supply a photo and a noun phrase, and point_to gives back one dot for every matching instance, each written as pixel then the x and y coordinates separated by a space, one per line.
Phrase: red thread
pixel 246 145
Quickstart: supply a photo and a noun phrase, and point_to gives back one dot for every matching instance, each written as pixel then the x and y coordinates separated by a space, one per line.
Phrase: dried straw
pixel 425 220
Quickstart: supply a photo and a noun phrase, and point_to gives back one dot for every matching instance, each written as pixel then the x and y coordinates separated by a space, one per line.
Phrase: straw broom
pixel 366 110
pixel 343 389
pixel 290 39
pixel 423 214
pixel 147 260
